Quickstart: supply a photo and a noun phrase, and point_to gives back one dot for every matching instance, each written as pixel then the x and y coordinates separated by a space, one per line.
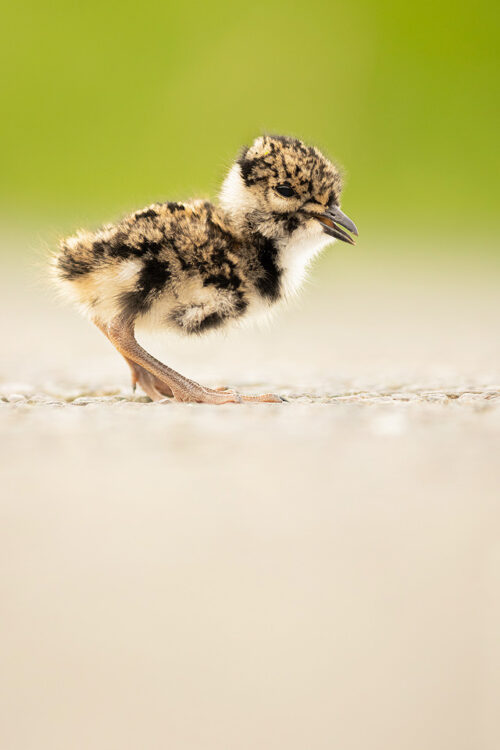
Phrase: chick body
pixel 176 265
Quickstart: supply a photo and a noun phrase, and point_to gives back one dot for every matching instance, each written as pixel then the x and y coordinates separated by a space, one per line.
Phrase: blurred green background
pixel 108 106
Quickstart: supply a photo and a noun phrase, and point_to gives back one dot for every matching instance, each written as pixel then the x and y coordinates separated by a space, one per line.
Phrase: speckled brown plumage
pixel 193 266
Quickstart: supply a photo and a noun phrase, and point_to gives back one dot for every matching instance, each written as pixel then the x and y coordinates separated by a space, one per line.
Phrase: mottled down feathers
pixel 194 266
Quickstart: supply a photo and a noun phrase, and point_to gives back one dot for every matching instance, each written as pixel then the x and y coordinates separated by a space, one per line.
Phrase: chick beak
pixel 329 221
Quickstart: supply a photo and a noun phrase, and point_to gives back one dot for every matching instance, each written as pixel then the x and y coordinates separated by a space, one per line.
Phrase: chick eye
pixel 286 191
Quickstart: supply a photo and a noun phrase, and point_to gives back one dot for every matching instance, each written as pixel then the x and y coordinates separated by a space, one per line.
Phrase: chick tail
pixel 85 274
pixel 72 266
pixel 74 258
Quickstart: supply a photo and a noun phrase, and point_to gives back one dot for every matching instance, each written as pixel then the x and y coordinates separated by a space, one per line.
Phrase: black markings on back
pixel 154 275
pixel 153 279
pixel 146 213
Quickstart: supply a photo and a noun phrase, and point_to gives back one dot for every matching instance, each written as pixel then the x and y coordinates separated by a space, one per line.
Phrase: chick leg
pixel 152 387
pixel 121 334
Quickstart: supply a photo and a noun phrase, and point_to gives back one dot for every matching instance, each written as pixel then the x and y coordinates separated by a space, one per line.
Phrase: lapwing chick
pixel 195 266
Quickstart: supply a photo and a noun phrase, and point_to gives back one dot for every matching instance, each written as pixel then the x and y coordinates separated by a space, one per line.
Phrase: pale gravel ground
pixel 321 573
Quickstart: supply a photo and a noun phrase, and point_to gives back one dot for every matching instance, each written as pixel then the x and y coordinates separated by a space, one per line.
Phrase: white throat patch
pixel 297 252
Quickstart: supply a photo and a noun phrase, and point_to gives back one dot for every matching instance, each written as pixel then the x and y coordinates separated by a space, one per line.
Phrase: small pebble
pixel 440 398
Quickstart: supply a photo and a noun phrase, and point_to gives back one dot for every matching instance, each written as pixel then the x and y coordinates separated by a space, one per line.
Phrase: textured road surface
pixel 321 573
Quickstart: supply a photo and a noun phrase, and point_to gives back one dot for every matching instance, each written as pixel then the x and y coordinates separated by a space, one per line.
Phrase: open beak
pixel 330 220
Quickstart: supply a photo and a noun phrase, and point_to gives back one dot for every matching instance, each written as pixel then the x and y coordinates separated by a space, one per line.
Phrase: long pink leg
pixel 121 334
pixel 152 387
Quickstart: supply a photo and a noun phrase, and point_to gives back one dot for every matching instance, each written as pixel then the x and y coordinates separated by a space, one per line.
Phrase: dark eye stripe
pixel 285 190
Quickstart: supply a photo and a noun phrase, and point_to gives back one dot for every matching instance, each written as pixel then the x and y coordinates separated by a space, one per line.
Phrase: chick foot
pixel 156 379
pixel 222 395
pixel 160 381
